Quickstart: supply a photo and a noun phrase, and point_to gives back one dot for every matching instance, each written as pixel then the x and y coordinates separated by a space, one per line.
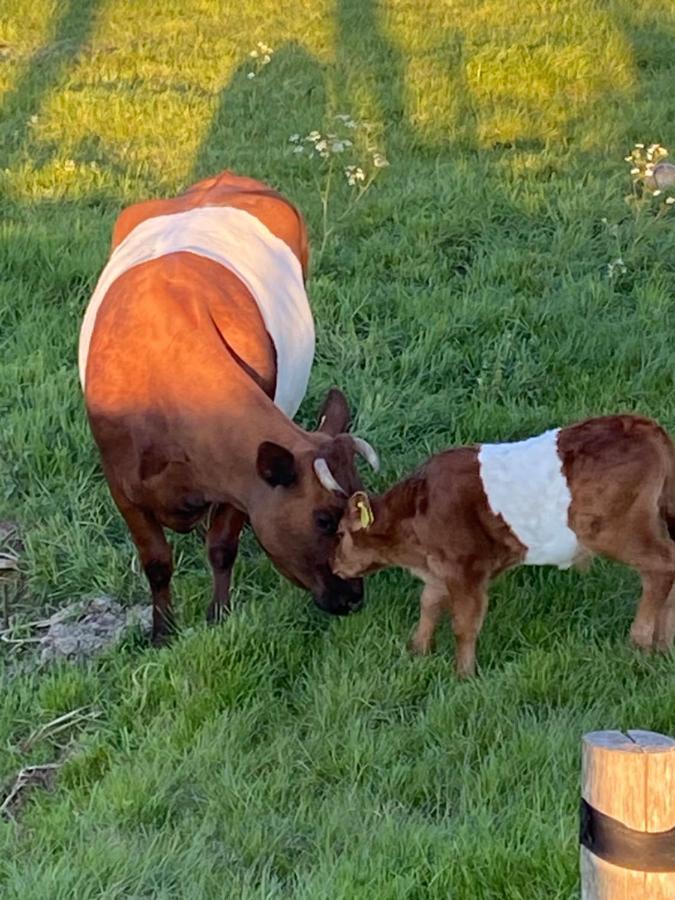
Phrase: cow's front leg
pixel 222 542
pixel 155 555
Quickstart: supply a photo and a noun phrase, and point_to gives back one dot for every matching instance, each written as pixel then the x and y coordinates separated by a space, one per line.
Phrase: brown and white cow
pixel 604 486
pixel 195 352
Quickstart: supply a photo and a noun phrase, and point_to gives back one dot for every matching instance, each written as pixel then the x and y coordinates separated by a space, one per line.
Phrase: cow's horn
pixel 364 449
pixel 325 476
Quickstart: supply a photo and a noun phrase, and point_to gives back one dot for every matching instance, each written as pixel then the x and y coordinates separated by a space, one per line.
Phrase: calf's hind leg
pixel 664 633
pixel 222 541
pixel 642 543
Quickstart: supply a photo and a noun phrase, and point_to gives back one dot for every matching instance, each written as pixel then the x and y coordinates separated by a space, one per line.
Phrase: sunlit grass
pixel 467 296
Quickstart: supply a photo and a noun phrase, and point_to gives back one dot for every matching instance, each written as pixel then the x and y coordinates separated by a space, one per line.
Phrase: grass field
pixel 465 297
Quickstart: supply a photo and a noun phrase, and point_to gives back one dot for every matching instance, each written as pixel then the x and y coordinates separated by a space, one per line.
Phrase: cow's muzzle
pixel 340 597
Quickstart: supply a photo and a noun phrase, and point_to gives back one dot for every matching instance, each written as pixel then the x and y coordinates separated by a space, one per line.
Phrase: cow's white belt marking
pixel 524 483
pixel 264 263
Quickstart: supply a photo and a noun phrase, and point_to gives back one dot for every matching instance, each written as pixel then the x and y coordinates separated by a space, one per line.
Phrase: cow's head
pixel 301 498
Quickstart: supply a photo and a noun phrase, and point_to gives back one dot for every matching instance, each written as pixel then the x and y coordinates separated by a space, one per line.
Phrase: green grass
pixel 465 298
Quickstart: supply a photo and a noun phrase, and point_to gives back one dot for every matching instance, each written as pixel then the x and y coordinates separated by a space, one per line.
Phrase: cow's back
pixel 226 189
pixel 173 329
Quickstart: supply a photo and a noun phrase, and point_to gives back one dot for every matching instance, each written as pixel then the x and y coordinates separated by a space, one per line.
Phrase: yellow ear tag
pixel 366 513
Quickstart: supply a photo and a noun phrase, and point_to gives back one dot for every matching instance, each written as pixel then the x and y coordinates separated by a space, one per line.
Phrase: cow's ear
pixel 276 464
pixel 334 417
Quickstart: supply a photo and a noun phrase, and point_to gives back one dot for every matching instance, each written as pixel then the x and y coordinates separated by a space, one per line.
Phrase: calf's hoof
pixel 642 637
pixel 664 633
pixel 466 670
pixel 420 646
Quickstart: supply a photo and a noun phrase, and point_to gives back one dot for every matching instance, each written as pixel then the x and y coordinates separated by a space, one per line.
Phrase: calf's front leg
pixel 432 603
pixel 468 605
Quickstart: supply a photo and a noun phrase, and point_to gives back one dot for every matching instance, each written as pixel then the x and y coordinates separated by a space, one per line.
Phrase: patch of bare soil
pixel 78 631
pixel 14 797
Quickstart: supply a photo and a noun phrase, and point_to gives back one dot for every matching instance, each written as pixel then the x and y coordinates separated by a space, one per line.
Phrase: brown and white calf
pixel 195 353
pixel 604 486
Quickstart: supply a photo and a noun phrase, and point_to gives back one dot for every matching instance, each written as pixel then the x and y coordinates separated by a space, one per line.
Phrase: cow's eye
pixel 326 522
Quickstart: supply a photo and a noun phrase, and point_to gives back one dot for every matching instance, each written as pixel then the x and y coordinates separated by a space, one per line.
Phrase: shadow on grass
pixel 44 73
pixel 250 127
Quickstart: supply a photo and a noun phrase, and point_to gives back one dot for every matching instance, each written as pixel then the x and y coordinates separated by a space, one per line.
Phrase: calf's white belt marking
pixel 524 483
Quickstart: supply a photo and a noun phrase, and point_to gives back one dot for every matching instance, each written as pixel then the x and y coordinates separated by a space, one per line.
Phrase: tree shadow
pixel 254 117
pixel 373 73
pixel 653 46
pixel 43 73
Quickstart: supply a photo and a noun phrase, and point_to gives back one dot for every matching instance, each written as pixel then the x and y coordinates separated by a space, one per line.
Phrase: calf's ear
pixel 276 465
pixel 334 417
pixel 359 512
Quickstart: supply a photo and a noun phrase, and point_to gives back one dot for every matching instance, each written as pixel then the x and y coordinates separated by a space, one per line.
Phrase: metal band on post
pixel 627 832
pixel 611 840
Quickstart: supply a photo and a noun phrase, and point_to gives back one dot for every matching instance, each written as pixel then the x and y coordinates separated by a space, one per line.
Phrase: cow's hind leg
pixel 155 555
pixel 222 541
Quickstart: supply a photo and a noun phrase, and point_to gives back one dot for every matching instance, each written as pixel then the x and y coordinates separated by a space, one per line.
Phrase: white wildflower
pixel 33 120
pixel 299 149
pixel 253 54
pixel 656 193
pixel 670 200
pixel 313 136
pixel 634 171
pixel 321 145
pixel 380 161
pixel 294 138
pixel 628 159
pixel 251 75
pixel 69 165
pixel 354 174
pixel 616 267
pixel 266 58
pixel 640 146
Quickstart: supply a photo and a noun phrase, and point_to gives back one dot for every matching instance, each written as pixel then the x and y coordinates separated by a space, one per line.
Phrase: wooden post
pixel 628 802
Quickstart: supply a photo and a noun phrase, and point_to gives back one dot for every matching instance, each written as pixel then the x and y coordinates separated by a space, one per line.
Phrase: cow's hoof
pixel 216 614
pixel 162 638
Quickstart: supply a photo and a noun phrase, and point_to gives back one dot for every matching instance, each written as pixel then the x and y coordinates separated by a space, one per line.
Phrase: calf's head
pixel 302 496
pixel 356 552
